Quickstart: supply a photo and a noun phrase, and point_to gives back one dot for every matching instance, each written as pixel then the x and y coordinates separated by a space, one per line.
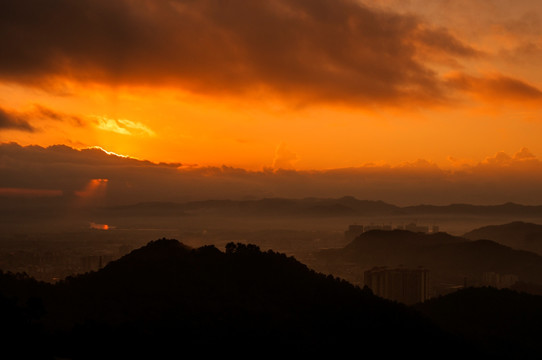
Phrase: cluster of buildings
pixel 411 285
pixel 408 286
pixel 56 264
pixel 499 281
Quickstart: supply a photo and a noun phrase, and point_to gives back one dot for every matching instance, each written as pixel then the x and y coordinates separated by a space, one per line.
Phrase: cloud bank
pixel 10 120
pixel 497 179
pixel 31 120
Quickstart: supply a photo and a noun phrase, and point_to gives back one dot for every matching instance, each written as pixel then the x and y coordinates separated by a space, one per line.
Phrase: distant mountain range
pixel 264 207
pixel 518 234
pixel 345 206
pixel 15 209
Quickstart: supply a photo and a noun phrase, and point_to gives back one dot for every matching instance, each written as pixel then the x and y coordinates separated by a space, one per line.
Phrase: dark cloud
pixel 30 120
pixel 528 24
pixel 439 40
pixel 13 121
pixel 496 87
pixel 42 112
pixel 513 87
pixel 67 155
pixel 498 179
pixel 61 167
pixel 336 50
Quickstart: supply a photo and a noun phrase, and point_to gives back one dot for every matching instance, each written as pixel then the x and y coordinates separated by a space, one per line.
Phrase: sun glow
pixel 108 153
pixel 94 193
pixel 93 225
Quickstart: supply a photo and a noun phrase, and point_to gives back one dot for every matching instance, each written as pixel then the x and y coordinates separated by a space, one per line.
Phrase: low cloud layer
pixel 497 179
pixel 31 120
pixel 13 121
pixel 496 87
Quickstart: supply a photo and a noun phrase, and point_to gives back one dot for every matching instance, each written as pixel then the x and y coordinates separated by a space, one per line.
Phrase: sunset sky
pixel 304 85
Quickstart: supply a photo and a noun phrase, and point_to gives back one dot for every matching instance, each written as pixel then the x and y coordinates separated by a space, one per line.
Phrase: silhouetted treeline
pixel 167 300
pixel 505 323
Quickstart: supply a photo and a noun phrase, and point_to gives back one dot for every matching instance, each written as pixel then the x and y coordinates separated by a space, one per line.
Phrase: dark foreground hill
pixel 166 300
pixel 504 322
pixel 518 234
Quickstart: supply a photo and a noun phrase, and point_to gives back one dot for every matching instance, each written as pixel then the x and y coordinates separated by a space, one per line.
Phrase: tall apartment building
pixel 408 286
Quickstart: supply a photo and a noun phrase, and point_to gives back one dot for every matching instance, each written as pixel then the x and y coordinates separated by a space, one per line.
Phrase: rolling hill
pixel 518 234
pixel 450 259
pixel 168 300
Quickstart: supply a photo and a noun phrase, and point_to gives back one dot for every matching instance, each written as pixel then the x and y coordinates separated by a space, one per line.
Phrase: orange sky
pixel 275 84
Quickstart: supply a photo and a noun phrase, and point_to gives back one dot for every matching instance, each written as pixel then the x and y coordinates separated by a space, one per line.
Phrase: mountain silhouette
pixel 166 299
pixel 309 207
pixel 480 210
pixel 518 234
pixel 505 323
pixel 450 259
